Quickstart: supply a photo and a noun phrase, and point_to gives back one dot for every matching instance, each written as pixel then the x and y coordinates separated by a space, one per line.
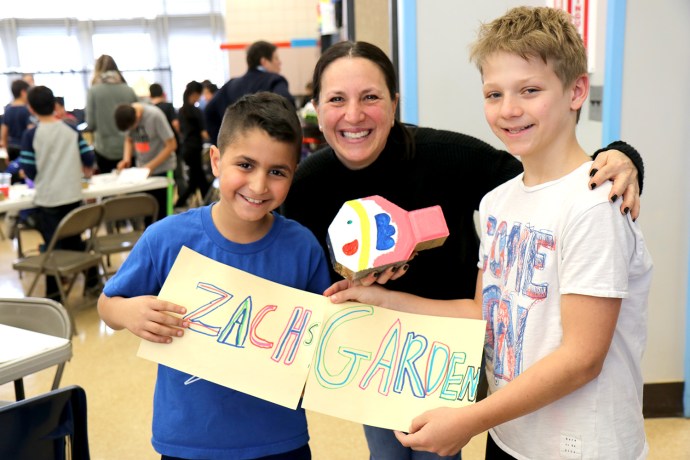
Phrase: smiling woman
pixel 355 112
pixel 371 153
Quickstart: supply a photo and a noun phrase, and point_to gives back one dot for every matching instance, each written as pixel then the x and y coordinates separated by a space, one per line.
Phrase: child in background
pixel 208 90
pixel 255 160
pixel 150 142
pixel 16 119
pixel 159 98
pixel 56 157
pixel 193 136
pixel 62 114
pixel 563 279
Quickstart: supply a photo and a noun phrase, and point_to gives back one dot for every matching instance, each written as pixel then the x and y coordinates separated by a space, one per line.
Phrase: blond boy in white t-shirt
pixel 563 280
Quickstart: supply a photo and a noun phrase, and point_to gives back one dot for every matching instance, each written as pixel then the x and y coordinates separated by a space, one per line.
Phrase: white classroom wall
pixel 656 120
pixel 247 21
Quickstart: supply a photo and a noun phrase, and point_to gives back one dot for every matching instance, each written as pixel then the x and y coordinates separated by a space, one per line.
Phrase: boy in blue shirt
pixel 254 161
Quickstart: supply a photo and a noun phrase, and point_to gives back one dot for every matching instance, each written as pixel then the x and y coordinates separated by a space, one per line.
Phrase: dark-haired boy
pixel 56 157
pixel 255 160
pixel 16 120
pixel 150 142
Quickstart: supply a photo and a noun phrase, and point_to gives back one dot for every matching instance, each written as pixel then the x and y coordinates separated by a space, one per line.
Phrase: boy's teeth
pixel 357 135
pixel 251 200
pixel 517 130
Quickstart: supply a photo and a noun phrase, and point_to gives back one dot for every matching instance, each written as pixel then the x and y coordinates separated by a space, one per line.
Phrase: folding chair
pixel 19 225
pixel 213 193
pixel 67 263
pixel 51 426
pixel 39 315
pixel 138 209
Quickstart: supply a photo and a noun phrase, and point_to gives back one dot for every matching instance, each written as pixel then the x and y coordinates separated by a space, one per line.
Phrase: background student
pixel 193 135
pixel 16 119
pixel 254 161
pixel 159 98
pixel 149 143
pixel 108 89
pixel 263 74
pixel 56 157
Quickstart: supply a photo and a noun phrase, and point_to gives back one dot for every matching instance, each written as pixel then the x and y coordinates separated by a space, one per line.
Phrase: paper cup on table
pixel 5 182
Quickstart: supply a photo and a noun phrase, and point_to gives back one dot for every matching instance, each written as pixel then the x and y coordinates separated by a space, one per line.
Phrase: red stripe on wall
pixel 241 46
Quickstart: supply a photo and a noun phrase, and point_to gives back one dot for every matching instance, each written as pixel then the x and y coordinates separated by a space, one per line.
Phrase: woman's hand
pixel 615 166
pixel 391 273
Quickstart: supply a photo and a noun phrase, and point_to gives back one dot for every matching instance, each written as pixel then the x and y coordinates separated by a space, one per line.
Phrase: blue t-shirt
pixel 17 118
pixel 202 419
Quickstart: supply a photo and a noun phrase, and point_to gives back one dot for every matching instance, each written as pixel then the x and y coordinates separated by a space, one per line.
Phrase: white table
pixel 23 352
pixel 101 185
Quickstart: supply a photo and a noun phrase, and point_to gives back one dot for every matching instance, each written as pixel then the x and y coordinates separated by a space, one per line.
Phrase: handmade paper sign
pixel 383 368
pixel 362 363
pixel 372 234
pixel 246 333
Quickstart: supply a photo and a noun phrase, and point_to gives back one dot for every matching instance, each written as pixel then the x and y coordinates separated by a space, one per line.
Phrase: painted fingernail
pixel 593 172
pixel 405 267
pixel 593 186
pixel 614 198
pixel 626 210
pixel 376 274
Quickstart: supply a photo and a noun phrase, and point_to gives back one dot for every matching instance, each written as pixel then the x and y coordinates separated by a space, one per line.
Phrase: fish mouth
pixel 351 248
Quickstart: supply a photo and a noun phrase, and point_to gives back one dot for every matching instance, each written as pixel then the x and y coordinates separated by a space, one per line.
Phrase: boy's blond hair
pixel 539 32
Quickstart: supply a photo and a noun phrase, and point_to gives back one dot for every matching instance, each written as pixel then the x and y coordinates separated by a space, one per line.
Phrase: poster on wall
pixel 583 13
pixel 327 18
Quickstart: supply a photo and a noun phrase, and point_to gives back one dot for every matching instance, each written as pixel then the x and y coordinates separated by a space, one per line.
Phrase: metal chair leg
pixel 58 376
pixel 19 389
pixel 63 297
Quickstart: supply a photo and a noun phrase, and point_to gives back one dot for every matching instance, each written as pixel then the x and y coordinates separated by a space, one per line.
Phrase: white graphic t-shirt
pixel 538 243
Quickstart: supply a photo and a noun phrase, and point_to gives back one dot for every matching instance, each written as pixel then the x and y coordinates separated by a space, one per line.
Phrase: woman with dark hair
pixel 193 136
pixel 108 90
pixel 371 153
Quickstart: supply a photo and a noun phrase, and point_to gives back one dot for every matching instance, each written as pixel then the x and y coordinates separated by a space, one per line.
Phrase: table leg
pixel 171 191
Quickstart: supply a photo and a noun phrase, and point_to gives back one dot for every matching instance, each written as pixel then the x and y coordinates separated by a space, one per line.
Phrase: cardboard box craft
pixel 372 234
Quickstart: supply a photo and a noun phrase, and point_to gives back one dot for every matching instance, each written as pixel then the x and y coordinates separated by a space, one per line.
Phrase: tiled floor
pixel 119 389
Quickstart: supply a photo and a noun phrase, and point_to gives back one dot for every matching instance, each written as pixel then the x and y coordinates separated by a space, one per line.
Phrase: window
pixel 55 61
pixel 5 81
pixel 170 42
pixel 134 55
pixel 191 59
